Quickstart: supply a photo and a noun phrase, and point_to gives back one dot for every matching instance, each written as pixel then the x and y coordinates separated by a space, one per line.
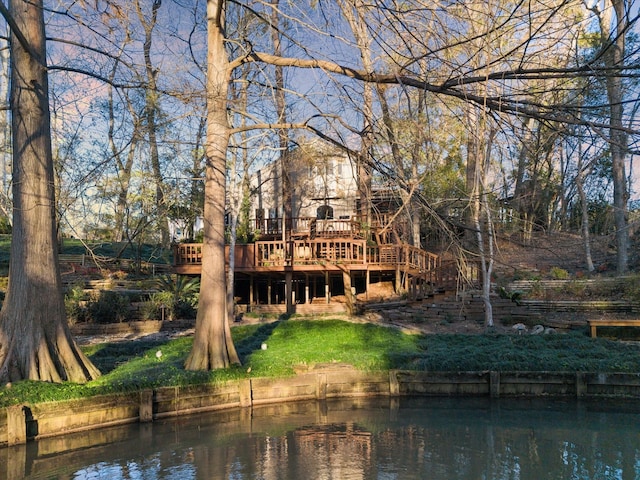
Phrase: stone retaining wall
pixel 21 423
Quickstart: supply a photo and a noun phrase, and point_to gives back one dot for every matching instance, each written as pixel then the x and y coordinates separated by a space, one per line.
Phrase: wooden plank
pixel 69 258
pixel 593 324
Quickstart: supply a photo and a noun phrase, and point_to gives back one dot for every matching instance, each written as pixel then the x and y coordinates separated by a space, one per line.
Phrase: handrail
pixel 307 252
pixel 276 253
pixel 187 254
pixel 309 227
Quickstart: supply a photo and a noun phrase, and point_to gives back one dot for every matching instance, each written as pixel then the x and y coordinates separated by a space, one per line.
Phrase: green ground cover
pixel 73 246
pixel 292 344
pixel 146 252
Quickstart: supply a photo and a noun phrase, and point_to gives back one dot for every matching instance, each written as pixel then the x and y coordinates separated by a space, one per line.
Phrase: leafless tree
pixel 35 341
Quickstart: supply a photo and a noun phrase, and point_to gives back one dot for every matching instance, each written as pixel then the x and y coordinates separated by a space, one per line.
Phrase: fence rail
pixel 278 253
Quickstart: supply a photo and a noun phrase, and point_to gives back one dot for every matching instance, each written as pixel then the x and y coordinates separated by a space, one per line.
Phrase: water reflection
pixel 420 438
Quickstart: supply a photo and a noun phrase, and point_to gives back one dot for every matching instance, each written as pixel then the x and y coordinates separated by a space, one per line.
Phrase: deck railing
pixel 187 254
pixel 308 252
pixel 309 227
pixel 335 251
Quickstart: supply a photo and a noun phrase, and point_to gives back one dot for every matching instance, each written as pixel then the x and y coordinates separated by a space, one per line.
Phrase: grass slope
pixel 136 365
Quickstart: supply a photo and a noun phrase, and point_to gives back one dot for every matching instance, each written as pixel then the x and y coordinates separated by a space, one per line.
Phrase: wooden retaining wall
pixel 142 327
pixel 21 423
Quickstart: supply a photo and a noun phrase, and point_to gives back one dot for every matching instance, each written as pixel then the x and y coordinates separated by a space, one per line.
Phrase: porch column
pixel 288 291
pixel 251 286
pixel 367 282
pixel 327 290
pixel 269 291
pixel 306 289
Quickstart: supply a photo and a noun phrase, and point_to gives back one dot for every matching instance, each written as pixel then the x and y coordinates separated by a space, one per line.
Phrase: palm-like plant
pixel 177 295
pixel 181 286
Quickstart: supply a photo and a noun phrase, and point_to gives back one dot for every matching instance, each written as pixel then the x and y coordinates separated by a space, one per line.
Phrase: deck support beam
pixel 288 291
pixel 367 282
pixel 307 300
pixel 327 290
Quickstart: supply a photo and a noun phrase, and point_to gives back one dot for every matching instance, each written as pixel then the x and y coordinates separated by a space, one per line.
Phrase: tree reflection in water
pixel 418 438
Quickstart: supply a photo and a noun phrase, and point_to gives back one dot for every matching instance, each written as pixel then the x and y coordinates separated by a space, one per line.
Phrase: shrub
pixel 177 298
pixel 5 225
pixel 577 289
pixel 188 308
pixel 514 296
pixel 559 273
pixel 537 290
pixel 108 307
pixel 75 301
pixel 179 294
pixel 525 275
pixel 631 288
pixel 153 308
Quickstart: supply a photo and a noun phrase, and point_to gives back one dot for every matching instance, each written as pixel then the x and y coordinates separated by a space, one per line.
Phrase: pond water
pixel 416 438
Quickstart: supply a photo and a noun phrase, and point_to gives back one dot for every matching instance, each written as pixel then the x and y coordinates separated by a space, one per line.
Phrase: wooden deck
pixel 320 259
pixel 320 254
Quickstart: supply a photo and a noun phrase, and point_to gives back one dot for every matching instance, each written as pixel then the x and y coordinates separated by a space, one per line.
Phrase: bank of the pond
pixel 29 422
pixel 302 360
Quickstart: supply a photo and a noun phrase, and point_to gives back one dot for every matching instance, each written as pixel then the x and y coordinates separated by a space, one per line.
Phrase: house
pixel 322 183
pixel 324 254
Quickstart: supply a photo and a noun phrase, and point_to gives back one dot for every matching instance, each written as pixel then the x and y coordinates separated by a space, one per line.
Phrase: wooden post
pixel 367 282
pixel 321 392
pixel 269 291
pixel 146 406
pixel 244 387
pixel 394 386
pixel 288 291
pixel 16 425
pixel 327 290
pixel 494 384
pixel 251 287
pixel 407 264
pixel 581 384
pixel 307 299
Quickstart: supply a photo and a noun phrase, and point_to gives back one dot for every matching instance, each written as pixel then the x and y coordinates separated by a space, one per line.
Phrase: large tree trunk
pixel 35 342
pixel 5 130
pixel 613 27
pixel 212 345
pixel 614 58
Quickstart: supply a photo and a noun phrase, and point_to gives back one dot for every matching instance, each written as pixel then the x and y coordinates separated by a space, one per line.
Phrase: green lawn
pixel 292 344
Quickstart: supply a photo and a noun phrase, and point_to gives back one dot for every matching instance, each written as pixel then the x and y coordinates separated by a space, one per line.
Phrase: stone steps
pixel 452 309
